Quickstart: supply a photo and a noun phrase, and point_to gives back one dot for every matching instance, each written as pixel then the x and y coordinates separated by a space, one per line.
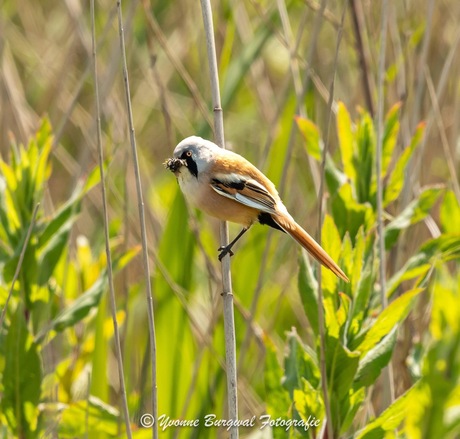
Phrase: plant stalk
pixel 140 202
pixel 227 294
pixel 329 428
pixel 387 374
pixel 113 305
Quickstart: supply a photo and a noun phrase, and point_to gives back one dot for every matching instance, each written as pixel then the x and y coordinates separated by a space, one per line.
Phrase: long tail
pixel 309 244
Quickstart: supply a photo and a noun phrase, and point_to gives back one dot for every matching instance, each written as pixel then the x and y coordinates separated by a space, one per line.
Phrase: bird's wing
pixel 245 190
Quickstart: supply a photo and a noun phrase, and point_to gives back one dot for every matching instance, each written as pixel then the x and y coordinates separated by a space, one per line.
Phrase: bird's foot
pixel 224 250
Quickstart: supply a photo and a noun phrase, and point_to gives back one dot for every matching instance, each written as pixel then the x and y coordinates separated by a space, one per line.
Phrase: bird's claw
pixel 223 251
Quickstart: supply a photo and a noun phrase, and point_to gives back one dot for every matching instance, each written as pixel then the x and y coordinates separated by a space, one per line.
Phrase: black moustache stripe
pixel 192 167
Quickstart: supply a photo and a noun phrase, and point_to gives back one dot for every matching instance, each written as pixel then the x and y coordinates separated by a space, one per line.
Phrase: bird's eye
pixel 186 154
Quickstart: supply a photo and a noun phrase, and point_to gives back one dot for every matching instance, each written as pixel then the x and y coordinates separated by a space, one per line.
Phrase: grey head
pixel 196 153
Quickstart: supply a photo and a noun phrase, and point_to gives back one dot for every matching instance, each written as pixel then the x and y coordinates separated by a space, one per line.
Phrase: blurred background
pixel 276 61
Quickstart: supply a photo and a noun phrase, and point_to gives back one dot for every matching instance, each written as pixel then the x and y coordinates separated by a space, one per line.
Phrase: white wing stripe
pixel 244 200
pixel 252 203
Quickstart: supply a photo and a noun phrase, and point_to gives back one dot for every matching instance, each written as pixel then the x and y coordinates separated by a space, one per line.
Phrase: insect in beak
pixel 174 164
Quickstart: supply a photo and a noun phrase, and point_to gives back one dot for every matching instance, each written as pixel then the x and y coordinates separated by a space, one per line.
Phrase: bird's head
pixel 194 154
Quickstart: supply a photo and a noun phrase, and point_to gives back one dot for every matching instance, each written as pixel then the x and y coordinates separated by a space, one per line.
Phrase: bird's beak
pixel 174 165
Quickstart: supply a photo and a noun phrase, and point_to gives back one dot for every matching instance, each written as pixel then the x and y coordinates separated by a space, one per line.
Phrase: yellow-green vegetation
pixel 58 372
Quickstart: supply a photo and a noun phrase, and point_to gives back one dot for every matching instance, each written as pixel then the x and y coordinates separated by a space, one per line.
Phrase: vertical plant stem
pixel 359 27
pixel 420 80
pixel 113 305
pixel 88 393
pixel 442 133
pixel 441 86
pixel 321 322
pixel 18 267
pixel 124 274
pixel 227 294
pixel 413 171
pixel 300 99
pixel 387 376
pixel 140 202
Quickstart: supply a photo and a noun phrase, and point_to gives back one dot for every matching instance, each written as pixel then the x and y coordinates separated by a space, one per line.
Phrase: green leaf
pixel 347 255
pixel 332 244
pixel 80 308
pixel 308 290
pixel 341 364
pixel 349 214
pixel 450 213
pixel 445 312
pixel 389 420
pixel 21 378
pixel 91 298
pixel 29 257
pixel 435 407
pixel 64 217
pixel 418 411
pixel 54 238
pixel 8 175
pixel 80 418
pixel 347 142
pixel 334 177
pixel 393 314
pixel 277 397
pixel 359 258
pixel 69 211
pixel 396 180
pixel 178 255
pixel 311 135
pixel 49 256
pixel 13 221
pixel 93 179
pixel 375 360
pixel 390 136
pixel 99 361
pixel 442 249
pixel 413 213
pixel 309 403
pixel 351 405
pixel 120 261
pixel 364 160
pixel 44 141
pixel 360 305
pixel 344 309
pixel 300 363
pixel 181 268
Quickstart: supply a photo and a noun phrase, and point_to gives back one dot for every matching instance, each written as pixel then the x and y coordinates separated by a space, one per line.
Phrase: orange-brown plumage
pixel 227 186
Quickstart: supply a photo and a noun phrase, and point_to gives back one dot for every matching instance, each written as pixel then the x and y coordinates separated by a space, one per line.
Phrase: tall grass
pixel 276 61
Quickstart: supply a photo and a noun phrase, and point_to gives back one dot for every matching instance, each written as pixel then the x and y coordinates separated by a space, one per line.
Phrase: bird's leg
pixel 228 249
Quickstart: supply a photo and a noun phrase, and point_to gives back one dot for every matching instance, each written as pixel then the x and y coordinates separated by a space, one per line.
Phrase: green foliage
pixel 395 184
pixel 435 406
pixel 416 211
pixel 22 187
pixel 58 292
pixel 85 416
pixel 360 338
pixel 22 375
pixel 57 317
pixel 390 419
pixel 38 307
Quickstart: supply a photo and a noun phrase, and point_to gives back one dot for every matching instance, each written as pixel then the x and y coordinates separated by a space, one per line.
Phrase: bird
pixel 225 185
